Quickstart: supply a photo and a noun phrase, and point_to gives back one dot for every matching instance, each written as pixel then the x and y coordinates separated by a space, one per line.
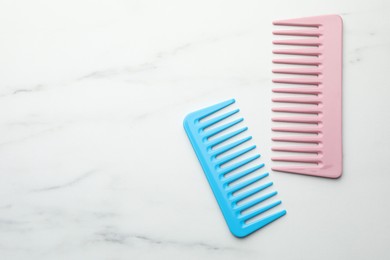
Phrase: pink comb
pixel 318 92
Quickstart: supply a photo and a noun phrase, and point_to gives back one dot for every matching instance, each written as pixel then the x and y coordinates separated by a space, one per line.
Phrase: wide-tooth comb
pixel 234 206
pixel 320 41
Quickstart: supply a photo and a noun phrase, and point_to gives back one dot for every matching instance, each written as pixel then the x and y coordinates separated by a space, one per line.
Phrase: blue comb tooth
pixel 226 137
pixel 238 165
pixel 200 114
pixel 242 174
pixel 198 134
pixel 230 157
pixel 255 201
pixel 251 227
pixel 243 184
pixel 217 119
pixel 221 128
pixel 259 211
pixel 252 191
pixel 230 146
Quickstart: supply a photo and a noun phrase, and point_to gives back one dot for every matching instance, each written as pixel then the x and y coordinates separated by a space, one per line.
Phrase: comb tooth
pixel 305 21
pixel 251 227
pixel 212 109
pixel 312 61
pixel 309 32
pixel 301 159
pixel 299 42
pixel 297 129
pixel 300 71
pixel 243 184
pixel 230 157
pixel 251 192
pixel 226 137
pixel 218 119
pixel 230 146
pixel 301 81
pixel 302 51
pixel 221 128
pixel 303 110
pixel 259 211
pixel 315 90
pixel 255 201
pixel 298 149
pixel 297 119
pixel 313 170
pixel 297 139
pixel 242 174
pixel 239 164
pixel 303 100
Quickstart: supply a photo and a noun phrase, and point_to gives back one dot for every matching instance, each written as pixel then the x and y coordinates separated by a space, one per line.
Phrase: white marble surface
pixel 95 164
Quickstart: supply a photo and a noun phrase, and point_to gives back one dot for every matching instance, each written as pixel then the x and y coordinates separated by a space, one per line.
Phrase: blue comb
pixel 235 207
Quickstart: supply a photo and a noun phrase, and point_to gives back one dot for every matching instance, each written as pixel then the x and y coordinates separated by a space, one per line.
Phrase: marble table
pixel 94 161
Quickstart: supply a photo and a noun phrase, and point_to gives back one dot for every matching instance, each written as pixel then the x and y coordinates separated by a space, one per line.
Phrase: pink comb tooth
pixel 302 51
pixel 300 42
pixel 334 22
pixel 299 81
pixel 308 32
pixel 316 90
pixel 298 119
pixel 298 149
pixel 305 170
pixel 304 110
pixel 303 100
pixel 312 61
pixel 297 139
pixel 313 130
pixel 322 69
pixel 305 21
pixel 300 71
pixel 301 159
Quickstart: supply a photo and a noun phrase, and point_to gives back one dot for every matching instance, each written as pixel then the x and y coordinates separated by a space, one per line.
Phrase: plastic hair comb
pixel 318 92
pixel 227 181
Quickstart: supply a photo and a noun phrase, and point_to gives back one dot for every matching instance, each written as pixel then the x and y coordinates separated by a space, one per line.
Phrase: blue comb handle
pixel 228 201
